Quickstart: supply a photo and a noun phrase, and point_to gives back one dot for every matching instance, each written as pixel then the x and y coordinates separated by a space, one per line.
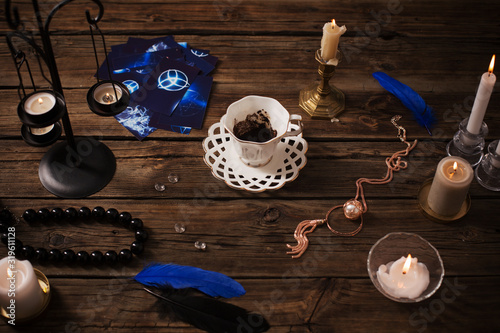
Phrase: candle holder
pixel 395 245
pixel 323 101
pixel 74 168
pixel 467 145
pixel 488 171
pixel 46 293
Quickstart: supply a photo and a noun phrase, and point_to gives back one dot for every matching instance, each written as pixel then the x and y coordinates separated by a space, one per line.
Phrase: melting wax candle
pixel 330 41
pixel 405 277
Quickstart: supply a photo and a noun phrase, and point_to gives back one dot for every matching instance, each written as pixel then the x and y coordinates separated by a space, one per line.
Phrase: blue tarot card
pixel 191 109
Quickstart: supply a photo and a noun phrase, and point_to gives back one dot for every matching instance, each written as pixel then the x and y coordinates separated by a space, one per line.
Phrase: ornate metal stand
pixel 322 101
pixel 73 168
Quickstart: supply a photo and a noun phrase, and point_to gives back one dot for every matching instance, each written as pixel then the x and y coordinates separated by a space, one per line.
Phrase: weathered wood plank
pixel 247 238
pixel 295 305
pixel 282 17
pixel 367 117
pixel 331 171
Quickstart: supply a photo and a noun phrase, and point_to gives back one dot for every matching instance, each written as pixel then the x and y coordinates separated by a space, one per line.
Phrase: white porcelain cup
pixel 257 154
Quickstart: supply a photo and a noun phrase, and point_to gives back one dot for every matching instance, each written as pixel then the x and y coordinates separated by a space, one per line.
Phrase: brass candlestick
pixel 323 101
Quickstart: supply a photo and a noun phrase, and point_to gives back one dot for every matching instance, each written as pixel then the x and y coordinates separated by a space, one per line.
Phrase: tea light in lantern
pixel 450 186
pixel 105 93
pixel 330 41
pixel 39 103
pixel 405 277
pixel 482 99
pixel 20 291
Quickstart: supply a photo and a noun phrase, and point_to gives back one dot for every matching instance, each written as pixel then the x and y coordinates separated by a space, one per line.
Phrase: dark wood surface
pixel 439 48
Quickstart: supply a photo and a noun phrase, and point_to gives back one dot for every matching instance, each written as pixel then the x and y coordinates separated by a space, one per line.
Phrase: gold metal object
pixel 423 194
pixel 45 286
pixel 322 101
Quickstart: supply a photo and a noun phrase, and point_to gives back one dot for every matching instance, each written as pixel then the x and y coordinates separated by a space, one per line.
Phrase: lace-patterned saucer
pixel 226 165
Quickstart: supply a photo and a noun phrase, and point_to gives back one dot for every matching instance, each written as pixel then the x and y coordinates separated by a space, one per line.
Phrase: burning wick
pixel 492 65
pixel 107 98
pixel 40 100
pixel 455 167
pixel 333 23
pixel 406 266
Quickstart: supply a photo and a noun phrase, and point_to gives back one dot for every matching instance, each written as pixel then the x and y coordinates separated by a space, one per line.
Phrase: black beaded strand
pixel 68 256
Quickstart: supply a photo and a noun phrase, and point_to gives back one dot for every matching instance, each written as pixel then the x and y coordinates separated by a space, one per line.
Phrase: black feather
pixel 208 314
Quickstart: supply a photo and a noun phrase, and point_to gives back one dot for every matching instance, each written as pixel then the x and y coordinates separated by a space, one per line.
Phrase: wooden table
pixel 267 48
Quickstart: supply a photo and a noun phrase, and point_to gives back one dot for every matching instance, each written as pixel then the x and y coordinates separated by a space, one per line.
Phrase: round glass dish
pixel 395 245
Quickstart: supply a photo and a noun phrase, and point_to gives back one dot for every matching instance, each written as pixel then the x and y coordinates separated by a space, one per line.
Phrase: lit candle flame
pixel 40 100
pixel 333 23
pixel 406 266
pixel 492 65
pixel 455 167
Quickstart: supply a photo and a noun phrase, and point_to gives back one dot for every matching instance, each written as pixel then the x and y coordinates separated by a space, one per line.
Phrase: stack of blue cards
pixel 169 84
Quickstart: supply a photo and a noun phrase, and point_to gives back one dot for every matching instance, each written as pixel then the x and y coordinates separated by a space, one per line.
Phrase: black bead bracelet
pixel 68 256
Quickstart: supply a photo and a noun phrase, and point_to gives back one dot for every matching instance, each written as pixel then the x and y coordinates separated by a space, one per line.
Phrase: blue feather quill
pixel 179 277
pixel 422 112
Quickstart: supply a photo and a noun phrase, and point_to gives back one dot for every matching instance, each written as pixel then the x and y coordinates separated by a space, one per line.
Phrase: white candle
pixel 330 41
pixel 39 103
pixel 450 185
pixel 495 162
pixel 483 95
pixel 105 94
pixel 20 291
pixel 41 131
pixel 400 281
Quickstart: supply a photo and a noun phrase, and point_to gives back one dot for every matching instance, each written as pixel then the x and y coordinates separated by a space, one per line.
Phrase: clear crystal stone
pixel 173 178
pixel 179 228
pixel 160 187
pixel 200 245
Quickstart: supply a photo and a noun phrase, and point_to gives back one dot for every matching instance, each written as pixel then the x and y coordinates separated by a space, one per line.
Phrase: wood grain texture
pixel 440 49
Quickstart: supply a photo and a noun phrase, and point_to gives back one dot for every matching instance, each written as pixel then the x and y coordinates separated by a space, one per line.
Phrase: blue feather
pixel 179 277
pixel 422 112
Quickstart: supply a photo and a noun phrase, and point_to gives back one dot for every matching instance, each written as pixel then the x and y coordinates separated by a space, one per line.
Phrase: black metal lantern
pixel 73 168
pixel 108 98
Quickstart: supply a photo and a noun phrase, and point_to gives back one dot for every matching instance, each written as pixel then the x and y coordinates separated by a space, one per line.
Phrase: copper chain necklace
pixel 353 208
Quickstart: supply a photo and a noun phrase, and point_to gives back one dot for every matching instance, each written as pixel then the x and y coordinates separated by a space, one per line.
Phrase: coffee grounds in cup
pixel 256 127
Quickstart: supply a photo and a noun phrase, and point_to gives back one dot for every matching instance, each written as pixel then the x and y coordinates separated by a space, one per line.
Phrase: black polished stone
pixel 141 235
pixel 82 257
pixel 84 213
pixel 27 252
pixel 110 257
pixel 137 247
pixel 57 214
pixel 30 215
pixel 96 257
pixel 55 256
pixel 112 215
pixel 43 214
pixel 124 219
pixel 70 214
pixel 68 256
pixel 98 213
pixel 136 224
pixel 41 255
pixel 125 256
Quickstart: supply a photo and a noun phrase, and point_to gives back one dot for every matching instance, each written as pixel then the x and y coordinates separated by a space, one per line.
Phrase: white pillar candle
pixel 39 103
pixel 400 281
pixel 496 163
pixel 105 94
pixel 330 41
pixel 483 95
pixel 450 186
pixel 20 291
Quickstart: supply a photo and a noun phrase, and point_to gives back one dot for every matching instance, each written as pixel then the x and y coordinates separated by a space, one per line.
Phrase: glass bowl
pixel 395 245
